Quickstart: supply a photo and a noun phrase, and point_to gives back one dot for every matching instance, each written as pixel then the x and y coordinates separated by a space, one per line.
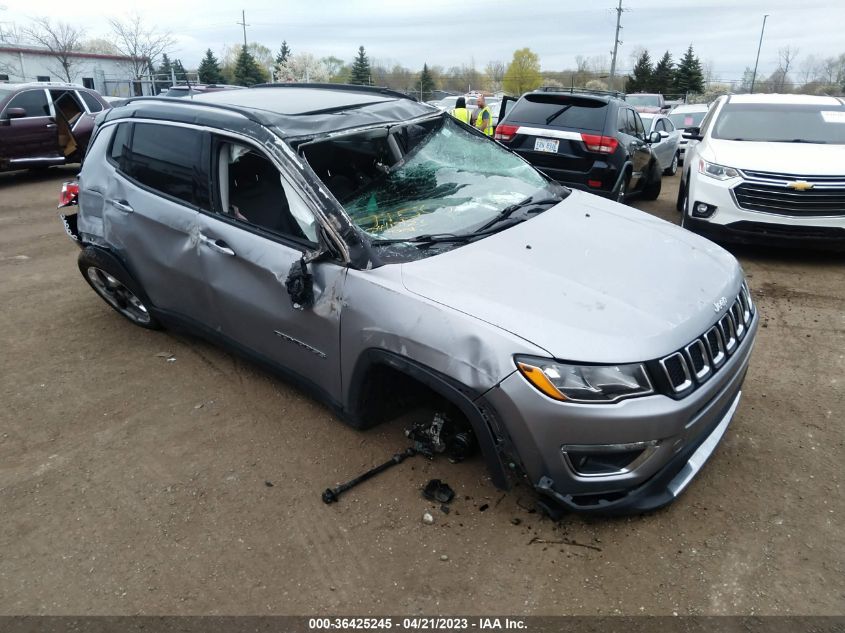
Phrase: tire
pixel 685 212
pixel 622 191
pixel 672 169
pixel 116 287
pixel 679 203
pixel 652 190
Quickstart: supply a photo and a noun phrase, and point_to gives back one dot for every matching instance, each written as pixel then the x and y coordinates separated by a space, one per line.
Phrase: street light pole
pixel 762 30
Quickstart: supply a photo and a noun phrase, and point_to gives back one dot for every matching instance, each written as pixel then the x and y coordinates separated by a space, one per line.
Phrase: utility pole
pixel 616 42
pixel 759 46
pixel 243 24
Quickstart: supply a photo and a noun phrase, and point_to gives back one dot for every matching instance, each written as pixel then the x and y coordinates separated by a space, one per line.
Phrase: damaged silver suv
pixel 370 248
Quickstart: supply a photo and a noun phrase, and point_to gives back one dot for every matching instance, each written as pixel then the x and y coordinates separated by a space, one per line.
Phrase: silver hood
pixel 588 280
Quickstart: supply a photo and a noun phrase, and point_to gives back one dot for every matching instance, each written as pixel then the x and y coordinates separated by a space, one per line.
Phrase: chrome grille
pixel 705 355
pixel 769 192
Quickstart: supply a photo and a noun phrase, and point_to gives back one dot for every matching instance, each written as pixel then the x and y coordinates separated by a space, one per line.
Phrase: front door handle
pixel 50 126
pixel 218 246
pixel 121 205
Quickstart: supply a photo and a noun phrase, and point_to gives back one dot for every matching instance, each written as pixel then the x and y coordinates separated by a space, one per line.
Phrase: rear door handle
pixel 50 126
pixel 218 246
pixel 121 205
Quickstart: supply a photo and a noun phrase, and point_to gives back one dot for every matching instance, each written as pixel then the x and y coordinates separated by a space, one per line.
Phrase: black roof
pixel 292 110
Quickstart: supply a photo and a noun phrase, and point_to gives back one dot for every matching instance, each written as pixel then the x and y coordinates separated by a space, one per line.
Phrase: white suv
pixel 767 168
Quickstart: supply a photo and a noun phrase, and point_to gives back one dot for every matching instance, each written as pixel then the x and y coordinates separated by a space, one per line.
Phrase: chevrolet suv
pixel 370 247
pixel 593 142
pixel 44 124
pixel 767 169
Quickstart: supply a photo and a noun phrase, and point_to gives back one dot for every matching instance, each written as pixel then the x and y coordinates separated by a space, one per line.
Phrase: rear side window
pixel 580 114
pixel 172 160
pixel 91 101
pixel 33 101
pixel 639 124
pixel 120 144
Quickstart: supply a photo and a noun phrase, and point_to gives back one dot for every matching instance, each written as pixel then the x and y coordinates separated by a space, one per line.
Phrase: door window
pixel 660 126
pixel 252 192
pixel 638 125
pixel 33 101
pixel 91 101
pixel 171 160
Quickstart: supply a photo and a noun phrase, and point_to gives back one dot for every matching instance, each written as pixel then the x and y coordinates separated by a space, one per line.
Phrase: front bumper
pixel 731 223
pixel 684 434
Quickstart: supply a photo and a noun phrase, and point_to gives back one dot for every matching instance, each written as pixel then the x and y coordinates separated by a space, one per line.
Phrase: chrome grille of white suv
pixel 699 360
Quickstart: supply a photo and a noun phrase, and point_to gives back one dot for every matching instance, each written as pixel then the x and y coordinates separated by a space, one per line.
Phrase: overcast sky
pixel 452 32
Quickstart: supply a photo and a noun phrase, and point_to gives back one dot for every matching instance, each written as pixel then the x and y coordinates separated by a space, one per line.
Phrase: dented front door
pixel 246 272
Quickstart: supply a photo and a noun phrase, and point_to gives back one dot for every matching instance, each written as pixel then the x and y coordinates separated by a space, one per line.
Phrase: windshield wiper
pixel 557 113
pixel 529 205
pixel 804 140
pixel 435 238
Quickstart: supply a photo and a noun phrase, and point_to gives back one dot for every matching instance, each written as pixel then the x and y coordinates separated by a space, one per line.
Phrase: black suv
pixel 586 141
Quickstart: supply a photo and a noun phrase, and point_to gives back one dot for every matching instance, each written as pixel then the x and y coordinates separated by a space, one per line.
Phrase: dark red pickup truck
pixel 44 124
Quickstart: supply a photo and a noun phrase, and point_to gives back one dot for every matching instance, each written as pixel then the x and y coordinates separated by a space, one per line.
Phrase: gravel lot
pixel 134 485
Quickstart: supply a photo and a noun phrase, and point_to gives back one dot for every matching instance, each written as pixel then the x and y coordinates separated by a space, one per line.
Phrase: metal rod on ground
pixel 331 494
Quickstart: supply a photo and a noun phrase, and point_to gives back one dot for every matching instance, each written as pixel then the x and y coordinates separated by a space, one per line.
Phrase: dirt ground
pixel 134 485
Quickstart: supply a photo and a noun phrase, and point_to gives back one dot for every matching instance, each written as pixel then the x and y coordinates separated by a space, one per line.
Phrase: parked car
pixel 767 168
pixel 44 124
pixel 185 90
pixel 340 236
pixel 592 142
pixel 666 150
pixel 685 116
pixel 648 103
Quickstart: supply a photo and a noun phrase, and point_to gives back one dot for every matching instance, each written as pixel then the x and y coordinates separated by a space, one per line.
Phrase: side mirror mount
pixel 692 134
pixel 654 137
pixel 300 285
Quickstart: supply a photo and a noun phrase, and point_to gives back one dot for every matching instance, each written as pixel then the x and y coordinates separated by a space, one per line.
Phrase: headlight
pixel 585 383
pixel 719 172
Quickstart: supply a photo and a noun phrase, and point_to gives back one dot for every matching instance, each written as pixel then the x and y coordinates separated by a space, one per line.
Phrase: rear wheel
pixel 672 169
pixel 622 191
pixel 652 190
pixel 116 288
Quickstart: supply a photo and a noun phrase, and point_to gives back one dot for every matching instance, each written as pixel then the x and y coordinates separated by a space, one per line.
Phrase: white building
pixel 109 75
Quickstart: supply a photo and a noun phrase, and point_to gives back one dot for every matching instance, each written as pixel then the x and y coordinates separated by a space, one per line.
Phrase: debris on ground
pixel 330 495
pixel 268 483
pixel 483 507
pixel 563 541
pixel 440 491
pixel 427 518
pixel 444 558
pixel 445 509
pixel 516 521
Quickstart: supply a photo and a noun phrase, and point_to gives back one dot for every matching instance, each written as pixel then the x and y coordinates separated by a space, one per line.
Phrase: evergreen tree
pixel 209 69
pixel 360 74
pixel 179 71
pixel 426 83
pixel 642 77
pixel 689 78
pixel 283 54
pixel 162 73
pixel 247 71
pixel 663 78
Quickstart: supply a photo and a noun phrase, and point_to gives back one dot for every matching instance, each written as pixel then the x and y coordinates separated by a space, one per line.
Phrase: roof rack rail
pixel 244 112
pixel 605 93
pixel 349 87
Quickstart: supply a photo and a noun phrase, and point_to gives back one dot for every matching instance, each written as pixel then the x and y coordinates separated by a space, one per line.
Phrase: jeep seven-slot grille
pixel 694 364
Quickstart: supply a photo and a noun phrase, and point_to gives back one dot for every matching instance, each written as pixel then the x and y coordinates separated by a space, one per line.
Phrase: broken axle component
pixel 331 494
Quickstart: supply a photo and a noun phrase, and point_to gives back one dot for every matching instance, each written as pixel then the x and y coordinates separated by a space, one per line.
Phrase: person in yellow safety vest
pixel 483 120
pixel 460 111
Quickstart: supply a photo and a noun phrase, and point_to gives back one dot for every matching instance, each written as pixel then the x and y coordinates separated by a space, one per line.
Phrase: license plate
pixel 546 145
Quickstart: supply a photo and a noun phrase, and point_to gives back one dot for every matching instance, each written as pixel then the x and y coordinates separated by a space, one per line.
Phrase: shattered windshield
pixel 451 182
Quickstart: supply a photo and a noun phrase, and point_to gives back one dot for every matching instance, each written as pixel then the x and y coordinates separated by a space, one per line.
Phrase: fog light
pixel 703 210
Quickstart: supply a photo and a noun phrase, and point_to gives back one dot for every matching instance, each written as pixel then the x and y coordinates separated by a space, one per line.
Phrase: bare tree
pixel 495 73
pixel 786 58
pixel 62 40
pixel 141 44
